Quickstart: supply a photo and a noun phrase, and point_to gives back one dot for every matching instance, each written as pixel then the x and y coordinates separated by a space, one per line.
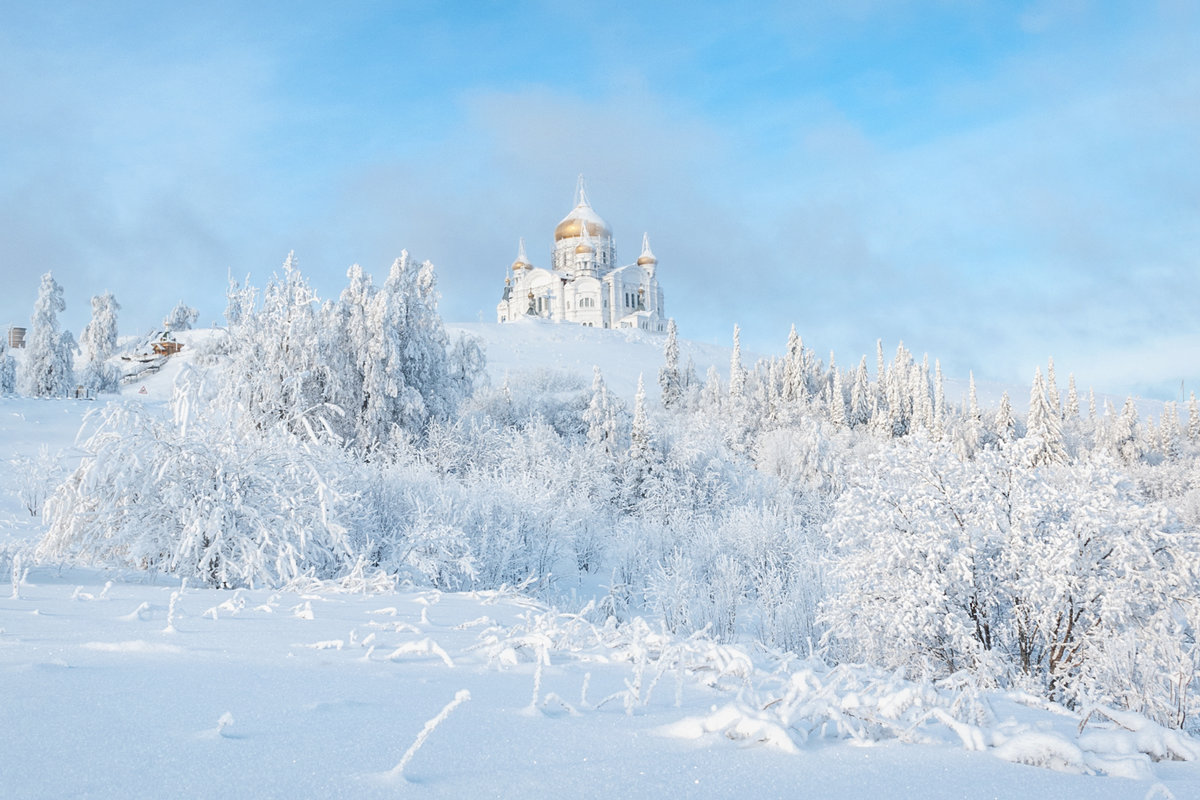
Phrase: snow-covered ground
pixel 118 686
pixel 127 685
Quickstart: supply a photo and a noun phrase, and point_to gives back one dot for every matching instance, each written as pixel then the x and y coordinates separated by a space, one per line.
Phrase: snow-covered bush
pixel 1032 576
pixel 36 478
pixel 195 498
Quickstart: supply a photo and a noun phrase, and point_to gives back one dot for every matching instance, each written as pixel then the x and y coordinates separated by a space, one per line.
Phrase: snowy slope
pixel 109 692
pixel 530 345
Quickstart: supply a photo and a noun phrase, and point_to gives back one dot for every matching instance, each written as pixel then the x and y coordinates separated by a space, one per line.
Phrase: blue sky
pixel 992 183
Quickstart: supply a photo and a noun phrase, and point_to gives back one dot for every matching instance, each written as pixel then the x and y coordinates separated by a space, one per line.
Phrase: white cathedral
pixel 584 284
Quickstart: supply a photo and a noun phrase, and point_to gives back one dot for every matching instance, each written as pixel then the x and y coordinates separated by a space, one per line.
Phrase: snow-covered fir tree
pixel 737 372
pixel 860 396
pixel 669 378
pixel 99 343
pixel 49 369
pixel 1193 419
pixel 1005 427
pixel 1043 426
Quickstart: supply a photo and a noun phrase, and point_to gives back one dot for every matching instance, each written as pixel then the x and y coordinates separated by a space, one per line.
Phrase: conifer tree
pixel 921 399
pixel 640 447
pixel 639 435
pixel 669 378
pixel 899 392
pixel 737 373
pixel 836 403
pixel 600 417
pixel 1052 397
pixel 1006 425
pixel 880 372
pixel 973 399
pixel 971 433
pixel 1193 419
pixel 1123 437
pixel 939 402
pixel 795 370
pixel 711 395
pixel 48 370
pixel 99 342
pixel 860 401
pixel 1043 426
pixel 1072 410
pixel 1169 431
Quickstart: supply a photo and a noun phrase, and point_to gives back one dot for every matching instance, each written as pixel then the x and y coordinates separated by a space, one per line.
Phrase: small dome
pixel 646 258
pixel 522 261
pixel 585 248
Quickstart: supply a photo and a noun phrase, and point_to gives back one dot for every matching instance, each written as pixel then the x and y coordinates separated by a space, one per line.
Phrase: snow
pixel 124 685
pixel 102 702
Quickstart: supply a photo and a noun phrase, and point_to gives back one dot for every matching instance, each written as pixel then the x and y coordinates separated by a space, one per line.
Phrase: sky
pixel 992 183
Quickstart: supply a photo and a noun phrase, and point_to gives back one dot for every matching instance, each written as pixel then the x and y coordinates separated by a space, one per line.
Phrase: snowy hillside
pixel 677 568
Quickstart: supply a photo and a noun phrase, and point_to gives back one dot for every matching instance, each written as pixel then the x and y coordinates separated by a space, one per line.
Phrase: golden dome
pixel 644 260
pixel 585 248
pixel 521 264
pixel 573 224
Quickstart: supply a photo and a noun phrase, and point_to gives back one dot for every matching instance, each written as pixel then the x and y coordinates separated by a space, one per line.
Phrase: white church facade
pixel 584 283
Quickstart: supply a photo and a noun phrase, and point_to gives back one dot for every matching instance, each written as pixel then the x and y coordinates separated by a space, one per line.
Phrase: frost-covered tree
pixel 1193 419
pixel 639 437
pixel 711 394
pixel 48 370
pixel 899 393
pixel 239 301
pixel 836 401
pixel 669 378
pixel 1121 436
pixel 794 379
pixel 600 417
pixel 181 318
pixel 939 402
pixel 1072 410
pixel 1043 427
pixel 860 396
pixel 8 368
pixel 1052 397
pixel 1006 425
pixel 99 342
pixel 737 373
